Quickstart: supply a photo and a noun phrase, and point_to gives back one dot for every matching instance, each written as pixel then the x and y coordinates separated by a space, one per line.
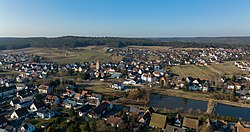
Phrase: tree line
pixel 74 41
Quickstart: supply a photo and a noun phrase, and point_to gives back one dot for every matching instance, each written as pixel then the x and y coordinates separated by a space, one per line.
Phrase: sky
pixel 124 18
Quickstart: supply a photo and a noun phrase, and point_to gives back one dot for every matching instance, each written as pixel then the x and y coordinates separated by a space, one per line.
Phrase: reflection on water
pixel 176 103
pixel 190 105
pixel 237 112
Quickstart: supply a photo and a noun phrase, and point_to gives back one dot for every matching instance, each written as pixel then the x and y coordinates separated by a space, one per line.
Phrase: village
pixel 40 95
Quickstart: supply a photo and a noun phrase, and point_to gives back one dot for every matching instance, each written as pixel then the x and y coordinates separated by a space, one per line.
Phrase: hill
pixel 219 40
pixel 75 41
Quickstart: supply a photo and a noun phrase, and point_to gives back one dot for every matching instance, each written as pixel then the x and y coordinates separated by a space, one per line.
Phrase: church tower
pixel 97 65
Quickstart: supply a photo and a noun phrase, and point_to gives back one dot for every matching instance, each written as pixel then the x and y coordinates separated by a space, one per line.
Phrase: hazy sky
pixel 130 18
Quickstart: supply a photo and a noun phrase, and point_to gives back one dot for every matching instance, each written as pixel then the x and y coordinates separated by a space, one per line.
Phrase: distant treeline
pixel 218 40
pixel 74 41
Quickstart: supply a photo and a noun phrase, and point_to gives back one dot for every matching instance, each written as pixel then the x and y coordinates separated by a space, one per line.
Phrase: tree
pixel 161 83
pixel 124 115
pixel 38 97
pixel 93 126
pixel 86 127
pixel 70 128
pixel 36 58
pixel 76 127
pixel 86 76
pixel 234 78
pixel 234 92
pixel 71 112
pixel 50 129
pixel 71 72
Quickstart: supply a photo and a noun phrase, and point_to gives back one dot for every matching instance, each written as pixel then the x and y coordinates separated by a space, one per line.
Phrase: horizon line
pixel 59 36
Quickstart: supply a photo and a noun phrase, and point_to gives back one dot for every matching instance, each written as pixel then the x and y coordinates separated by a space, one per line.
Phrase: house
pixel 25 93
pixel 84 93
pixel 230 86
pixel 84 110
pixel 117 86
pixel 94 99
pixel 44 89
pixel 45 113
pixel 209 126
pixel 191 124
pixel 22 104
pixel 7 90
pixel 9 128
pixel 148 77
pixel 158 121
pixel 19 113
pixel 51 99
pixel 116 122
pixel 170 128
pixel 69 103
pixel 237 86
pixel 100 110
pixel 78 96
pixel 3 121
pixel 146 116
pixel 116 75
pixel 27 127
pixel 133 111
pixel 178 120
pixel 129 82
pixel 38 105
pixel 69 93
pixel 241 127
pixel 20 86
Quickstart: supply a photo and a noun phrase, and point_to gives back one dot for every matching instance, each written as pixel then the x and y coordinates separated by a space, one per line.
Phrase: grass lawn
pixel 7 72
pixel 192 70
pixel 103 127
pixel 150 47
pixel 62 56
pixel 103 89
pixel 38 122
pixel 228 68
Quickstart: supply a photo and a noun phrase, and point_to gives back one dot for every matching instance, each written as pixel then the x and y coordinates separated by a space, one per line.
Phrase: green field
pixel 62 56
pixel 227 68
pixel 192 70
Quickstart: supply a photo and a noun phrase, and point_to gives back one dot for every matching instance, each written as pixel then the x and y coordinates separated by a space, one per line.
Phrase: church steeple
pixel 97 65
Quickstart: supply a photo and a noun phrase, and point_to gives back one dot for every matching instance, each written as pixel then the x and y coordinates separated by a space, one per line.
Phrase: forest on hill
pixel 74 41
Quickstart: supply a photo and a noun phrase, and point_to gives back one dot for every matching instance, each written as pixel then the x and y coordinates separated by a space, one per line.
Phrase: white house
pixel 230 86
pixel 20 86
pixel 118 86
pixel 148 77
pixel 44 89
pixel 37 106
pixel 129 82
pixel 27 127
pixel 45 113
pixel 19 113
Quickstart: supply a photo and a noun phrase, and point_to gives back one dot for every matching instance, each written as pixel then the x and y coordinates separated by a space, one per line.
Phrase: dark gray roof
pixel 3 119
pixel 21 112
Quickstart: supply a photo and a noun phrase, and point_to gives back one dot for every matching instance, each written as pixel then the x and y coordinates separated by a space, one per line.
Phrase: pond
pixel 174 103
pixel 237 112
